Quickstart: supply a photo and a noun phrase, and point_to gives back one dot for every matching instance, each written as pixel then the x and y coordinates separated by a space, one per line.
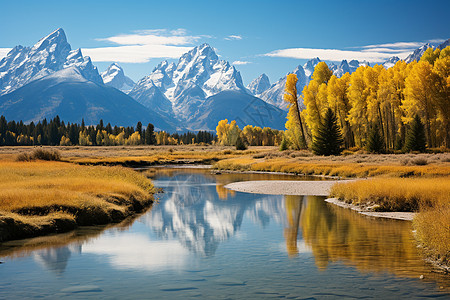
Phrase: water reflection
pixel 195 215
pixel 336 234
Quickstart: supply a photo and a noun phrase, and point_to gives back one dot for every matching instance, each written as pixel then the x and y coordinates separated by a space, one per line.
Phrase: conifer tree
pixel 328 140
pixel 415 139
pixel 149 135
pixel 375 143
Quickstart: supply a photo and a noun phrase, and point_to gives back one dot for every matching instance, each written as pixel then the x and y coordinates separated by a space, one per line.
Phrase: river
pixel 203 241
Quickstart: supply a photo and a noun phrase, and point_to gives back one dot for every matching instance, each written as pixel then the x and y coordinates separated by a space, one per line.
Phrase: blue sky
pixel 271 37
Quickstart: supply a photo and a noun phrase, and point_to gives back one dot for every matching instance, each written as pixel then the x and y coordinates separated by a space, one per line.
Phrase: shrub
pixel 284 145
pixel 420 162
pixel 24 157
pixel 43 154
pixel 40 154
pixel 240 145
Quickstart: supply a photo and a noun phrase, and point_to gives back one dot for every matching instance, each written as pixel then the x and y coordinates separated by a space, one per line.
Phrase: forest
pixel 375 101
pixel 56 133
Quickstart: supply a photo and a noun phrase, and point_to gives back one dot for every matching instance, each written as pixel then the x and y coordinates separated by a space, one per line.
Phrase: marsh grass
pixel 396 194
pixel 40 154
pixel 39 192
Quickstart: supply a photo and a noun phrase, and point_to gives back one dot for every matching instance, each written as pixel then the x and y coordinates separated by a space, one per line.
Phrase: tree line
pixel 375 107
pixel 229 134
pixel 56 132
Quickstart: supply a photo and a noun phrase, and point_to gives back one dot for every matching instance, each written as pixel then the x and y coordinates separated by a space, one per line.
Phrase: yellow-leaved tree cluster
pixel 390 98
pixel 228 133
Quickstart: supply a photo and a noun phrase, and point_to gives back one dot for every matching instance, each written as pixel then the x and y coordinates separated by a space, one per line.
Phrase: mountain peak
pixel 114 76
pixel 259 85
pixel 50 54
pixel 56 37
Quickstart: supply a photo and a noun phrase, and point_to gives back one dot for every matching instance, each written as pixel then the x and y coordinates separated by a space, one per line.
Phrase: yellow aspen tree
pixel 442 95
pixel 386 96
pixel 357 96
pixel 430 55
pixel 337 89
pixel 294 125
pixel 419 97
pixel 371 84
pixel 315 97
pixel 248 133
pixel 322 73
pixel 222 131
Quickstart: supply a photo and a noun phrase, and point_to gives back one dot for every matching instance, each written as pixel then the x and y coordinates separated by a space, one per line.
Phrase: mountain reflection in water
pixel 195 215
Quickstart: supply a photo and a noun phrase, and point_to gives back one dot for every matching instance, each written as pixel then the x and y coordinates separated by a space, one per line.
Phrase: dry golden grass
pixel 37 193
pixel 329 167
pixel 433 231
pixel 396 194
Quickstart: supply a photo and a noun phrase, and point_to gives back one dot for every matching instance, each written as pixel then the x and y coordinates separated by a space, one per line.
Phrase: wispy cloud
pixel 239 62
pixel 142 45
pixel 233 37
pixel 370 53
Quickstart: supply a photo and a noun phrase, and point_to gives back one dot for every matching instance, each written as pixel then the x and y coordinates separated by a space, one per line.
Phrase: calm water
pixel 203 241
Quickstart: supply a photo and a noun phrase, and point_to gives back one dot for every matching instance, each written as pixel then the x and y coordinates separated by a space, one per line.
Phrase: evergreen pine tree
pixel 375 142
pixel 415 139
pixel 149 135
pixel 328 140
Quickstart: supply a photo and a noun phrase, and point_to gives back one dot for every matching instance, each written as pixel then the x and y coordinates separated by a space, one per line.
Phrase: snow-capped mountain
pixel 115 77
pixel 417 54
pixel 52 53
pixel 390 62
pixel 70 95
pixel 259 85
pixel 346 67
pixel 186 91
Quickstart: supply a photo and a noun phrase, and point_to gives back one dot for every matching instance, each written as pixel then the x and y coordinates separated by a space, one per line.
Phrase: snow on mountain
pixel 390 62
pixel 180 89
pixel 259 85
pixel 417 54
pixel 70 95
pixel 115 77
pixel 52 53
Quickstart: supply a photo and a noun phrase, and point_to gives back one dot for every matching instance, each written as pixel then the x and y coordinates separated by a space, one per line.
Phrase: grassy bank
pixel 39 197
pixel 428 196
pixel 358 165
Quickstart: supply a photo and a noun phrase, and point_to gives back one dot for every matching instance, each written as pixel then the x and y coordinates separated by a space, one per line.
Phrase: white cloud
pixel 398 45
pixel 239 62
pixel 233 37
pixel 330 54
pixel 134 54
pixel 370 53
pixel 4 52
pixel 143 45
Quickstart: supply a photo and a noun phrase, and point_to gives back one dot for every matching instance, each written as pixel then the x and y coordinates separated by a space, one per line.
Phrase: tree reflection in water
pixel 337 234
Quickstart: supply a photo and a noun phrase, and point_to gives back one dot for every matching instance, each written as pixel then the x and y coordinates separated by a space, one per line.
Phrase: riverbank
pixel 43 197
